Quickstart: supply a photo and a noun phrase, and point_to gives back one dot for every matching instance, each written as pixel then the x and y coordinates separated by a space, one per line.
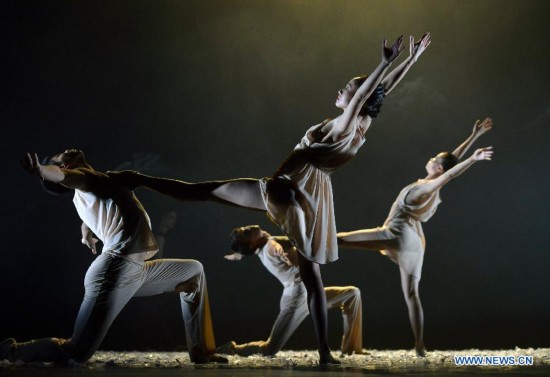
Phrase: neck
pixel 432 176
pixel 262 241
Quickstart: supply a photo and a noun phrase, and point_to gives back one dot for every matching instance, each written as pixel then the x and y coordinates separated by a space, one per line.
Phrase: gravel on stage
pixel 372 362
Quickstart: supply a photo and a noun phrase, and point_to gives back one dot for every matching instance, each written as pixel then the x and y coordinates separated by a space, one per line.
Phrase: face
pixel 346 94
pixel 69 159
pixel 434 165
pixel 252 234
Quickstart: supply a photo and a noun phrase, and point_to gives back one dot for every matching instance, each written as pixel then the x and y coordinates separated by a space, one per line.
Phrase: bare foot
pixel 227 348
pixel 212 358
pixel 420 352
pixel 327 359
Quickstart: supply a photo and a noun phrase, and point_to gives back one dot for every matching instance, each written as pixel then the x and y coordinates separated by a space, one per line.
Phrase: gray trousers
pixel 293 310
pixel 110 282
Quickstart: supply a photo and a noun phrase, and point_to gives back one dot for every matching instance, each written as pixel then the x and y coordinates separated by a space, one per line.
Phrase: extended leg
pixel 241 192
pixel 293 310
pixel 373 239
pixel 317 303
pixel 109 284
pixel 409 284
pixel 348 300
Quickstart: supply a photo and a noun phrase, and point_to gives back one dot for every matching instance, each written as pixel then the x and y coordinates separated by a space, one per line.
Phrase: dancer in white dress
pixel 298 196
pixel 401 237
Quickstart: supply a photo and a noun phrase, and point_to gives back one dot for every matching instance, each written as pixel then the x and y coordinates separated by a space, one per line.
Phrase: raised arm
pixel 423 191
pixel 70 178
pixel 479 129
pixel 415 50
pixel 346 121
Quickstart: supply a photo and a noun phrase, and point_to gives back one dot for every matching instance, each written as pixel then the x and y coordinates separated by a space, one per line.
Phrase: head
pixel 346 94
pixel 245 240
pixel 372 105
pixel 441 163
pixel 70 159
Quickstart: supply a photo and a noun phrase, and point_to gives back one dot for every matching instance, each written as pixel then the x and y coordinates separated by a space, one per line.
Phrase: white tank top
pixel 287 275
pixel 118 220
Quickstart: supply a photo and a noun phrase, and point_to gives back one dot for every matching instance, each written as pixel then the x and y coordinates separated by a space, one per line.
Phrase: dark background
pixel 209 89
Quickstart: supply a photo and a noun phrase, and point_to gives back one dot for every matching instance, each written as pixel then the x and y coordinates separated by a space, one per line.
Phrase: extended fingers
pixel 488 153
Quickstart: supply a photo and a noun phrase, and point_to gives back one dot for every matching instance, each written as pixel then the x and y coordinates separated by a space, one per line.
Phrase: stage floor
pixel 294 363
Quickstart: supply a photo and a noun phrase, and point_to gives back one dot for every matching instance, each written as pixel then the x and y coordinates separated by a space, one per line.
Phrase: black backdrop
pixel 219 89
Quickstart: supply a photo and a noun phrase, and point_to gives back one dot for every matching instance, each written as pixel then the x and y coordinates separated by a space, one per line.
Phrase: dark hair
pixel 373 105
pixel 52 187
pixel 447 160
pixel 240 243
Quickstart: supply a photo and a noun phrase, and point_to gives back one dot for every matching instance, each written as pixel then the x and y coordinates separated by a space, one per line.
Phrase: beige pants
pixel 110 282
pixel 293 310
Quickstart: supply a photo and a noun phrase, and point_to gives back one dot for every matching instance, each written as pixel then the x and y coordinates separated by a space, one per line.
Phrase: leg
pixel 110 282
pixel 242 192
pixel 317 303
pixel 348 300
pixel 293 310
pixel 186 277
pixel 409 284
pixel 373 239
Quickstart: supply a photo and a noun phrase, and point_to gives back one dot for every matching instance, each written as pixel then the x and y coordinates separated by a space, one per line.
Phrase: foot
pixel 327 359
pixel 420 351
pixel 227 348
pixel 7 350
pixel 212 358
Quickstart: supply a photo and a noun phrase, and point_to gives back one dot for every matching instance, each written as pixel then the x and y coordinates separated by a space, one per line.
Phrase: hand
pixel 31 163
pixel 89 240
pixel 391 53
pixel 233 256
pixel 167 223
pixel 483 127
pixel 277 250
pixel 483 154
pixel 416 49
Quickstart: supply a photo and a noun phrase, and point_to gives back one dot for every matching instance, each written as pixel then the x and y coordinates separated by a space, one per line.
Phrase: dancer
pixel 298 197
pixel 401 237
pixel 113 213
pixel 280 258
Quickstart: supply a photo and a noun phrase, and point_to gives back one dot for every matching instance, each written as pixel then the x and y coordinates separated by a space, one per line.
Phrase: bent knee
pixel 186 287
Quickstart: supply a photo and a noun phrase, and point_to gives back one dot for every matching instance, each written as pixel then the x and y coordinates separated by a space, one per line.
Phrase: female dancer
pixel 298 197
pixel 401 237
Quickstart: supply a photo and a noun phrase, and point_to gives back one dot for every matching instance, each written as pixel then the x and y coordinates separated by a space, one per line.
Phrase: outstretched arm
pixel 415 50
pixel 423 191
pixel 70 178
pixel 479 129
pixel 347 120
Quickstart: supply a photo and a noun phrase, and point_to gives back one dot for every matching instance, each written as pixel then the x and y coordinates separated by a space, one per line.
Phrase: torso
pixel 116 217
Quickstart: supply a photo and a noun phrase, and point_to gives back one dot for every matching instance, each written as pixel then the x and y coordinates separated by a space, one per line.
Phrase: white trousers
pixel 293 310
pixel 110 282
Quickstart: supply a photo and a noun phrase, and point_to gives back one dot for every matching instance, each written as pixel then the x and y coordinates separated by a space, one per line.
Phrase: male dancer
pixel 280 258
pixel 111 211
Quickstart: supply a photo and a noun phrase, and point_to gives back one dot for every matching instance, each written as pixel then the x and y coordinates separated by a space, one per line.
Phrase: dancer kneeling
pixel 280 258
pixel 112 212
